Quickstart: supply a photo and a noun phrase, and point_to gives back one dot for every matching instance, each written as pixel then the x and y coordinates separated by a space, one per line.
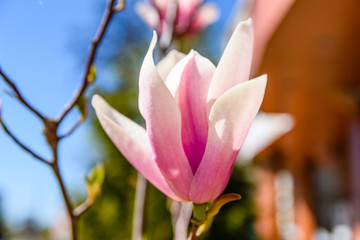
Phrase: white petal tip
pixel 98 102
pixel 95 99
pixel 152 44
pixel 289 122
pixel 245 24
pixel 264 76
pixel 193 53
pixel 261 79
pixel 248 22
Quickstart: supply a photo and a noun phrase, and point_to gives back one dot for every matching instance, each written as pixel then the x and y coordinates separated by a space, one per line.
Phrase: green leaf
pixel 94 182
pixel 221 201
pixel 205 222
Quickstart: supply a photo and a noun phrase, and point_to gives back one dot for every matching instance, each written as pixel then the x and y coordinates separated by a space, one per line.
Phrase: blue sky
pixel 36 51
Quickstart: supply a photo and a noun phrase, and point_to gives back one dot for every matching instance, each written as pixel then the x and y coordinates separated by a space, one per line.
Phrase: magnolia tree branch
pixel 109 12
pixel 73 128
pixel 18 95
pixel 18 142
pixel 51 125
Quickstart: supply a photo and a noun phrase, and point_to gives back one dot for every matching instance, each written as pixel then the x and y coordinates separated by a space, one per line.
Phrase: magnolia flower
pixel 197 117
pixel 177 17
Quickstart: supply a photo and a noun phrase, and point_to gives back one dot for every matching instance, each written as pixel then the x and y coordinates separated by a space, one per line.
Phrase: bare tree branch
pixel 73 128
pixel 17 141
pixel 19 96
pixel 110 10
pixel 51 125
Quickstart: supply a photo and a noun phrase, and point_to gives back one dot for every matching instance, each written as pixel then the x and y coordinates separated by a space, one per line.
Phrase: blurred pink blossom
pixel 177 17
pixel 197 117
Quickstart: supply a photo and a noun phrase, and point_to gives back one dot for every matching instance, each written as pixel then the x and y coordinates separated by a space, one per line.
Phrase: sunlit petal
pixel 163 123
pixel 193 89
pixel 229 121
pixel 235 63
pixel 132 140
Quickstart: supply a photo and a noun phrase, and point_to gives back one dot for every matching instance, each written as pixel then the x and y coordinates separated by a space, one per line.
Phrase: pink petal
pixel 229 121
pixel 132 141
pixel 166 64
pixel 235 63
pixel 148 14
pixel 195 80
pixel 163 123
pixel 191 76
pixel 207 14
pixel 174 77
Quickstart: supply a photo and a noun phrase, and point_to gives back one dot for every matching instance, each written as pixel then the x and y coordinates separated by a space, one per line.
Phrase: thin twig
pixel 73 128
pixel 91 57
pixel 74 214
pixel 11 94
pixel 17 141
pixel 18 95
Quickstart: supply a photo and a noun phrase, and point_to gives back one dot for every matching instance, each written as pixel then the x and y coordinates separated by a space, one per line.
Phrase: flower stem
pixel 139 206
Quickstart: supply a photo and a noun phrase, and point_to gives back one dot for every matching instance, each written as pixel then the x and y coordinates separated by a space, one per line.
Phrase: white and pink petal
pixel 229 121
pixel 163 123
pixel 195 80
pixel 235 64
pixel 174 77
pixel 132 141
pixel 165 65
